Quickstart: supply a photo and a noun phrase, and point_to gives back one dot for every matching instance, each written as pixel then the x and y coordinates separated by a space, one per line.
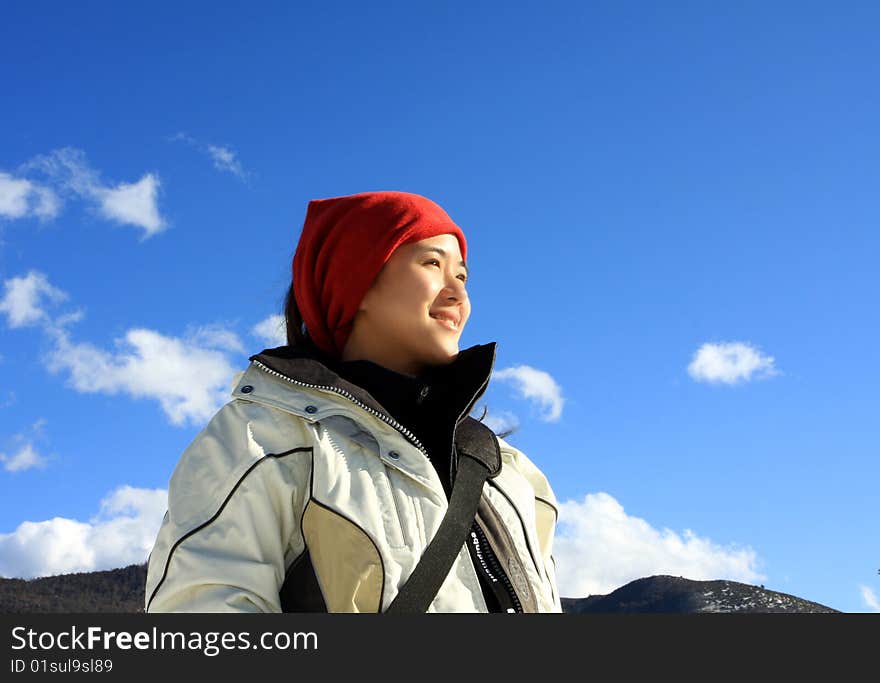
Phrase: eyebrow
pixel 442 252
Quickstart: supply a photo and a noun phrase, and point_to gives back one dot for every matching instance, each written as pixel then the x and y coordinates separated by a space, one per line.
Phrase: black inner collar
pixel 430 405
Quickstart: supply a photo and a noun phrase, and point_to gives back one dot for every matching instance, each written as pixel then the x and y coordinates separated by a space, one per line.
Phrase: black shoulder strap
pixel 479 458
pixel 429 574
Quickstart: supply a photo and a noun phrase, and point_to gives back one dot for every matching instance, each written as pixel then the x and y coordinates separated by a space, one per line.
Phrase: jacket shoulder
pixel 230 529
pixel 515 458
pixel 240 436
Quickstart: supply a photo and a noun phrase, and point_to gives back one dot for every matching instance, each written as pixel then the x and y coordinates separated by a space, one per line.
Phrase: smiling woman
pixel 345 474
pixel 413 315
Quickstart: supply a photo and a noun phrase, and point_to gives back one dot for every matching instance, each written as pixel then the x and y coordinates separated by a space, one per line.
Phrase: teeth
pixel 451 322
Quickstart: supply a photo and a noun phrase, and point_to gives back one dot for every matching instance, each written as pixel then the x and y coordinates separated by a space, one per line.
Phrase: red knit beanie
pixel 345 242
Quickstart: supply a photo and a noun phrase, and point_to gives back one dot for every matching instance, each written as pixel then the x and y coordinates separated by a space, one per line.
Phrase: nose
pixel 456 288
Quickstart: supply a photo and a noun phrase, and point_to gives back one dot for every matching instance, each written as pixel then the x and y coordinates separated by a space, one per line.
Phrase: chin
pixel 450 353
pixel 442 354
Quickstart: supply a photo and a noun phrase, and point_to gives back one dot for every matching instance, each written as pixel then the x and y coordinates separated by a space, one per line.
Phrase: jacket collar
pixel 307 364
pixel 469 373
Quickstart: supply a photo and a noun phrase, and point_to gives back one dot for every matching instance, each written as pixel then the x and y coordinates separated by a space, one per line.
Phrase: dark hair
pixel 298 336
pixel 502 434
pixel 296 333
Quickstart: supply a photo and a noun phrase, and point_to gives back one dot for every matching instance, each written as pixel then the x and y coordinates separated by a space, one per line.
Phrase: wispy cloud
pixel 272 330
pixel 600 548
pixel 535 385
pixel 20 198
pixel 25 299
pixel 25 455
pixel 503 421
pixel 870 598
pixel 224 158
pixel 214 336
pixel 135 203
pixel 122 533
pixel 730 363
pixel 25 458
pixel 189 379
pixel 189 375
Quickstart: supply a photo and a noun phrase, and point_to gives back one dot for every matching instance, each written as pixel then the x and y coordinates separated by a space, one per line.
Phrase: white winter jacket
pixel 301 493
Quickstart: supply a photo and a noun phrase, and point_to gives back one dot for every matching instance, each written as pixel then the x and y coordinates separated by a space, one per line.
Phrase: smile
pixel 448 324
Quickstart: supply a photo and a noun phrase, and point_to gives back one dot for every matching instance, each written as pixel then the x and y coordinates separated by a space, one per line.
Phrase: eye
pixel 463 276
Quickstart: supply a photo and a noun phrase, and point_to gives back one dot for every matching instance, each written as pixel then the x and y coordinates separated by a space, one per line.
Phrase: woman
pixel 321 485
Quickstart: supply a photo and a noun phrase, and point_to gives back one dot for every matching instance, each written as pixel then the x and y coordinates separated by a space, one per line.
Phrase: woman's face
pixel 414 313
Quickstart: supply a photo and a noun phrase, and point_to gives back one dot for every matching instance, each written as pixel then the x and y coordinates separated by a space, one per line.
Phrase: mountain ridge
pixel 122 591
pixel 678 595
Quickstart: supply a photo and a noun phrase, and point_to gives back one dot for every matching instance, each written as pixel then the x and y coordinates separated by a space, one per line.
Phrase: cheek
pixel 421 290
pixel 467 310
pixel 404 301
pixel 409 304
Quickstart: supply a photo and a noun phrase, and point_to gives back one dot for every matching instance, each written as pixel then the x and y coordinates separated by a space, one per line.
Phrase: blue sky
pixel 672 223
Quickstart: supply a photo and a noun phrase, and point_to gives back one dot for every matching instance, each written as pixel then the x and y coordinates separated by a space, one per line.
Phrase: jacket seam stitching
pixel 209 521
pixel 302 515
pixel 357 526
pixel 314 500
pixel 522 524
pixel 550 505
pixel 405 540
pixel 503 530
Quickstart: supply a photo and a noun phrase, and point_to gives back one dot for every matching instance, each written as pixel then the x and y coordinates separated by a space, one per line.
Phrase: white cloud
pixel 537 386
pixel 13 196
pixel 128 203
pixel 730 363
pixel 272 330
pixel 24 297
pixel 134 204
pixel 214 337
pixel 599 548
pixel 67 319
pixel 224 158
pixel 189 377
pixel 68 169
pixel 26 456
pixel 20 197
pixel 870 598
pixel 24 459
pixel 122 533
pixel 182 136
pixel 502 422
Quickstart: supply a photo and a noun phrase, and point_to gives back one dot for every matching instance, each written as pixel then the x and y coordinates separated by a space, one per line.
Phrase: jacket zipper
pixel 400 518
pixel 342 392
pixel 413 439
pixel 479 539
